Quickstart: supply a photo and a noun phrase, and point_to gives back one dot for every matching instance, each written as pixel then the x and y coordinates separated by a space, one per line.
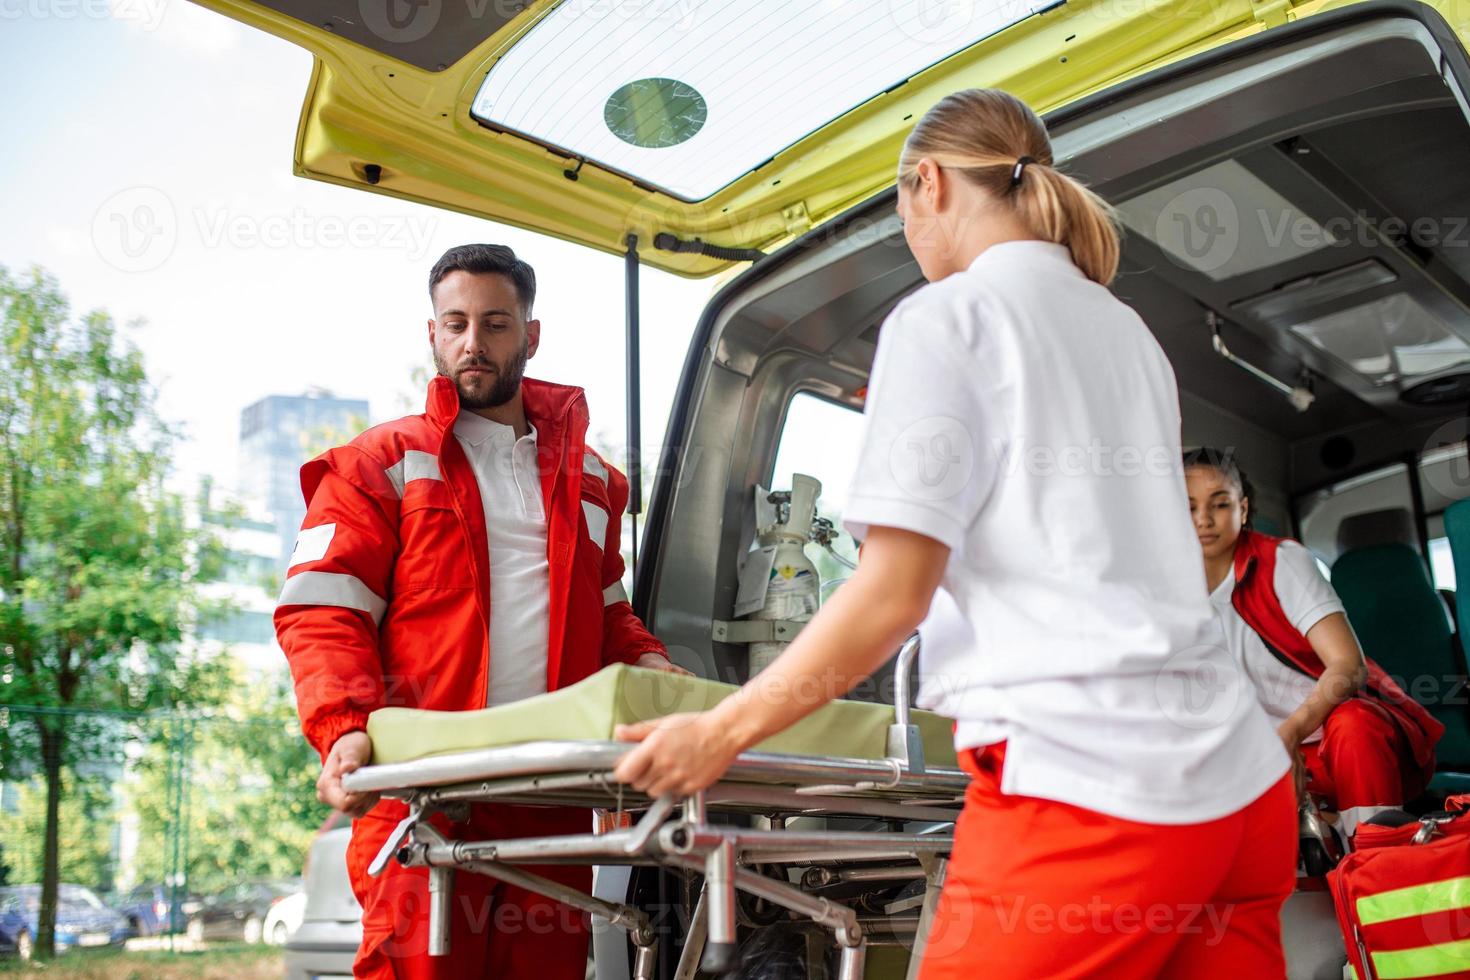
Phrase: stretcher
pixel 744 836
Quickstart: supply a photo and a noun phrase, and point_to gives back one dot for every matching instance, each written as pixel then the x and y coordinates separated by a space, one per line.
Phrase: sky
pixel 147 167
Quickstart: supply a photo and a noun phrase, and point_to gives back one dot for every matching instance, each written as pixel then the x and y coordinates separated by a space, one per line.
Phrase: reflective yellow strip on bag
pixel 1426 961
pixel 1437 896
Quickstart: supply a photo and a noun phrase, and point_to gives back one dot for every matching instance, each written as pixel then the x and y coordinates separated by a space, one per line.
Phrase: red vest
pixel 1256 601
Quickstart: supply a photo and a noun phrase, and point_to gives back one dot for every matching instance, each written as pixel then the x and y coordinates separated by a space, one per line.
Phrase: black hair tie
pixel 1019 168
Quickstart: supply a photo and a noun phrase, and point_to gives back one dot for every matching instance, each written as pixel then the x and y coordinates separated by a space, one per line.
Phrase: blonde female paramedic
pixel 1131 812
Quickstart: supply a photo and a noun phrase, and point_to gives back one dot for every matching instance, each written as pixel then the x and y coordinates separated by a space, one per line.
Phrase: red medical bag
pixel 1403 898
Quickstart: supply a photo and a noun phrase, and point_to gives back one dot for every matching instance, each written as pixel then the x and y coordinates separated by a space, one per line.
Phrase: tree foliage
pixel 252 806
pixel 88 857
pixel 99 563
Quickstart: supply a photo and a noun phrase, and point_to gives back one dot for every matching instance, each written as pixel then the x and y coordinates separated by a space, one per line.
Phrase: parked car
pixel 239 912
pixel 284 918
pixel 81 920
pixel 147 909
pixel 323 946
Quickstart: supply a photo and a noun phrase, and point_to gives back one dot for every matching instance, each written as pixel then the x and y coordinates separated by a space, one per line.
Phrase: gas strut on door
pixel 668 243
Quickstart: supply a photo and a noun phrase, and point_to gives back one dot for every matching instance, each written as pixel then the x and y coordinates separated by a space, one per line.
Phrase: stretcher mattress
pixel 591 709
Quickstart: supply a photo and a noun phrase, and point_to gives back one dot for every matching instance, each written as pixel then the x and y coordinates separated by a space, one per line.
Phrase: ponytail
pixel 1061 210
pixel 983 134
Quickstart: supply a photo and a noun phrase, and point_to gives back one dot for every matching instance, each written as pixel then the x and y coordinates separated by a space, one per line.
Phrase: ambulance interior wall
pixel 1264 458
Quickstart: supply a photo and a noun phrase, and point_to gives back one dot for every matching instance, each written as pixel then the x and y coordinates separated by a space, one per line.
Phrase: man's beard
pixel 507 379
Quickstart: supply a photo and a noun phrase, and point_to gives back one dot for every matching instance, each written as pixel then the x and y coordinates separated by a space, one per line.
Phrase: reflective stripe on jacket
pixel 387 597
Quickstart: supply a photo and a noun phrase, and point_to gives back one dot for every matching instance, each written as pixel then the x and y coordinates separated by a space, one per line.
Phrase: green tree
pixel 98 562
pixel 252 809
pixel 87 858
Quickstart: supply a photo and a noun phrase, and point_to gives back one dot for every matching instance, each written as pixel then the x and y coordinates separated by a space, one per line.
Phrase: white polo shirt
pixel 515 521
pixel 1307 598
pixel 1022 415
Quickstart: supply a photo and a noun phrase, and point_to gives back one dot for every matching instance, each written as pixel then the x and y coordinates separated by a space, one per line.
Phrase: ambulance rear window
pixel 687 97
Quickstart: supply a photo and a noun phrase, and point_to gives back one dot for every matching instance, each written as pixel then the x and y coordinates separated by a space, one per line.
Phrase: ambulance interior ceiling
pixel 1354 125
pixel 1314 151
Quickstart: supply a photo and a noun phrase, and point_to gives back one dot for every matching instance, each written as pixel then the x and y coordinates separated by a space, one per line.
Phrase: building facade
pixel 277 434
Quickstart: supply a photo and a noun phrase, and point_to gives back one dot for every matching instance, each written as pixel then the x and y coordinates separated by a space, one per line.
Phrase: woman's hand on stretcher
pixel 680 754
pixel 855 631
pixel 349 753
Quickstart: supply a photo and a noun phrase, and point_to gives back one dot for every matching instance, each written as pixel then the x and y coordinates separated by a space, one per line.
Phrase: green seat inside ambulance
pixel 1401 622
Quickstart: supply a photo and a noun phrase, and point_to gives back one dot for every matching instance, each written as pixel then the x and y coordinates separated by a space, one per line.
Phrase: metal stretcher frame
pixel 898 788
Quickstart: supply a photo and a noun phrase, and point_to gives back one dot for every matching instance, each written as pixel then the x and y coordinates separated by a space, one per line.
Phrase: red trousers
pixel 1362 759
pixel 496 930
pixel 1041 889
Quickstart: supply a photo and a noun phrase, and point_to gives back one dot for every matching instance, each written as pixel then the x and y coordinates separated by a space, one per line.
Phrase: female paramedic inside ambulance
pixel 1367 747
pixel 1131 812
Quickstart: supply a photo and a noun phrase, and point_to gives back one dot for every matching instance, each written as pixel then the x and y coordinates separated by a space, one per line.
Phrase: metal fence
pixel 191 826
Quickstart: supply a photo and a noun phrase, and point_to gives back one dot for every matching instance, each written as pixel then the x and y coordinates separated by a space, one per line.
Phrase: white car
pixel 284 918
pixel 325 942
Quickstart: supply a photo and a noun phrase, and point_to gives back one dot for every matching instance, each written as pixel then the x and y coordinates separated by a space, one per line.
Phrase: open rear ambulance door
pixel 739 125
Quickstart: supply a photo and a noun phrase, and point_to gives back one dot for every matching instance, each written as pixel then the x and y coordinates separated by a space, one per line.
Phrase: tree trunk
pixel 52 737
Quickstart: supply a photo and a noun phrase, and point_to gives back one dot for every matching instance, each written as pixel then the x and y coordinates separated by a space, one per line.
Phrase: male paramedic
pixel 456 560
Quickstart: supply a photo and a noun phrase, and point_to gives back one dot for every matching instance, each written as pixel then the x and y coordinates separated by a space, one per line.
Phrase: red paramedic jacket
pixel 1256 601
pixel 387 598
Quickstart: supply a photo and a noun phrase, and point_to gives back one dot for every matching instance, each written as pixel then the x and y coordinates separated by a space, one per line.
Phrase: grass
pixel 221 961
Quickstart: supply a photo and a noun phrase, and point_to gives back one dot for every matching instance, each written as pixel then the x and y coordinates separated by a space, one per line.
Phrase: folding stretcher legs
pixel 428 841
pixel 689 843
pixel 488 926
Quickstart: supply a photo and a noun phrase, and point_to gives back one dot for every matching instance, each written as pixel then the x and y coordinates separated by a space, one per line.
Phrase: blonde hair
pixel 981 133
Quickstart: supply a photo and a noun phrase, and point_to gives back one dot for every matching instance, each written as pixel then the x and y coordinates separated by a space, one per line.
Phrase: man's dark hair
pixel 1223 461
pixel 480 259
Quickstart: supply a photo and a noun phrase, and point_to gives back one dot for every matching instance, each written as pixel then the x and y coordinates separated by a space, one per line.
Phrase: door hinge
pixel 1272 13
pixel 755 630
pixel 796 218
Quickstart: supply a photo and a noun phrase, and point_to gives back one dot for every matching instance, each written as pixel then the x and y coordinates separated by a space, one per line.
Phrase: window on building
pixel 247 569
pixel 247 626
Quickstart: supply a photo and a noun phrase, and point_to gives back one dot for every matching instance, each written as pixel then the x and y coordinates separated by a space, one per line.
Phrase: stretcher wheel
pixel 1316 862
pixel 668 898
pixel 782 952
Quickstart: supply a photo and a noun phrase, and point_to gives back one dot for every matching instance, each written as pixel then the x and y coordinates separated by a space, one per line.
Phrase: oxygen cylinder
pixel 793 590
